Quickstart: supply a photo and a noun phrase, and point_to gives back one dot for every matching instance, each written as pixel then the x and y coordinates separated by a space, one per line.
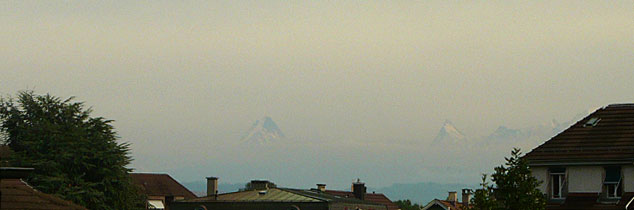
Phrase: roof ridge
pixel 621 105
pixel 367 193
pixel 154 173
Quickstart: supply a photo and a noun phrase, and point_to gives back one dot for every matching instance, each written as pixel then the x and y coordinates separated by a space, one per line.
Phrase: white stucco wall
pixel 585 178
pixel 541 174
pixel 628 178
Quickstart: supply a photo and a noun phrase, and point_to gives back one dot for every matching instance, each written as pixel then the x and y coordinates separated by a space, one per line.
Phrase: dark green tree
pixel 515 188
pixel 407 205
pixel 75 156
pixel 483 198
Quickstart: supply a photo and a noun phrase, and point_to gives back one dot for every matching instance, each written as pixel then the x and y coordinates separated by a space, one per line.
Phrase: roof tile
pixel 18 195
pixel 611 139
pixel 161 185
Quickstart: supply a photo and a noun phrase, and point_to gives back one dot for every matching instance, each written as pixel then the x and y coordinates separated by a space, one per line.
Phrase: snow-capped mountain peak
pixel 449 132
pixel 262 131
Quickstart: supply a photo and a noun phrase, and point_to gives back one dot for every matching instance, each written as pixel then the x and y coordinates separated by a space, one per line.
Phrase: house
pixel 265 196
pixel 160 189
pixel 15 193
pixel 371 197
pixel 591 164
pixel 451 203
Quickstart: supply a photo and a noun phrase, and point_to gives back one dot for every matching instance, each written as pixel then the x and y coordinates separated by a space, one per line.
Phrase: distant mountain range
pixel 263 131
pixel 449 134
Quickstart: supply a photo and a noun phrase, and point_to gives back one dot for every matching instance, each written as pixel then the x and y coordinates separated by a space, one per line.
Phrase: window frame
pixel 617 193
pixel 561 181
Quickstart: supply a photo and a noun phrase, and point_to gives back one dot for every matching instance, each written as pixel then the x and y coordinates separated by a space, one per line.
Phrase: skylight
pixel 592 122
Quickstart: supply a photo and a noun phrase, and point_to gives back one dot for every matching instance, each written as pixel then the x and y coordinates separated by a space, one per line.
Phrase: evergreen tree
pixel 483 198
pixel 75 156
pixel 515 188
pixel 407 205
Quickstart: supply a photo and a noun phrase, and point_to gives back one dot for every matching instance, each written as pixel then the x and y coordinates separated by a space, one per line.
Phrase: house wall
pixel 541 174
pixel 628 178
pixel 583 179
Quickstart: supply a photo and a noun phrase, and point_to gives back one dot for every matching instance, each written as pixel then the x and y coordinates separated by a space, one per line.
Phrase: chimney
pixel 358 189
pixel 453 197
pixel 260 184
pixel 466 197
pixel 321 187
pixel 212 186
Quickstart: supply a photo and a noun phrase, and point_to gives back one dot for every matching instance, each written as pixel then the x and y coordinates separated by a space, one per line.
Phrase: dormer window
pixel 592 122
pixel 558 183
pixel 612 182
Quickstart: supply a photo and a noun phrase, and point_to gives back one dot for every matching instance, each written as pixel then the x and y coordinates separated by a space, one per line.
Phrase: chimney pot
pixel 453 197
pixel 321 187
pixel 212 186
pixel 466 197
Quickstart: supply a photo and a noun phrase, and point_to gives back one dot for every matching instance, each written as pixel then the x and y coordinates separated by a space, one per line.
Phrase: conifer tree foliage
pixel 483 198
pixel 407 205
pixel 515 188
pixel 75 156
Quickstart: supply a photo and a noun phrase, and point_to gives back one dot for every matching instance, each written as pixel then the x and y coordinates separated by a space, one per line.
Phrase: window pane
pixel 612 174
pixel 556 186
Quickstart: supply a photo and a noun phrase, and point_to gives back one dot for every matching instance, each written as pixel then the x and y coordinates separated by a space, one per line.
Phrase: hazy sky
pixel 182 78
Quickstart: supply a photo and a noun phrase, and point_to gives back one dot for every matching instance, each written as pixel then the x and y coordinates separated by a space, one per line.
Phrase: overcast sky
pixel 182 77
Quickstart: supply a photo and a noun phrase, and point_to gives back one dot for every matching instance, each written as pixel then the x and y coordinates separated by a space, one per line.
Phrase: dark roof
pixel 333 198
pixel 160 185
pixel 610 140
pixel 16 194
pixel 370 197
pixel 269 195
pixel 281 195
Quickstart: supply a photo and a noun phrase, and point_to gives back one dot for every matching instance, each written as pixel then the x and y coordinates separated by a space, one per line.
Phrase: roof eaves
pixel 580 162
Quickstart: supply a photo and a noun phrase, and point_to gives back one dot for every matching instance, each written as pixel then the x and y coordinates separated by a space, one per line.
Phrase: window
pixel 592 122
pixel 557 183
pixel 155 204
pixel 612 182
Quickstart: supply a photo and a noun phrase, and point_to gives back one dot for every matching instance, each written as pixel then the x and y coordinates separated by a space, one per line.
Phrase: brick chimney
pixel 466 197
pixel 260 184
pixel 358 189
pixel 212 186
pixel 453 197
pixel 321 187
